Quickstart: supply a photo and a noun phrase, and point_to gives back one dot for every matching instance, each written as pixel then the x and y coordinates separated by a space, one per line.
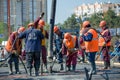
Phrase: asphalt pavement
pixel 79 74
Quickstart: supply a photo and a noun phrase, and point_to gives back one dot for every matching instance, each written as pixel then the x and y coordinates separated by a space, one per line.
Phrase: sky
pixel 64 8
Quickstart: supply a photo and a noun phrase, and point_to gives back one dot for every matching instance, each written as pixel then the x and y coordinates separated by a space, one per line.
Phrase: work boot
pixel 36 72
pixel 17 68
pixel 93 68
pixel 11 70
pixel 108 65
pixel 10 73
pixel 73 68
pixel 30 71
pixel 46 70
pixel 69 68
pixel 92 72
pixel 105 65
pixel 61 68
pixel 17 72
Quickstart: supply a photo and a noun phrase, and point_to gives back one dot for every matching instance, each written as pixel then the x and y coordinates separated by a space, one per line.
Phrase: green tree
pixel 47 26
pixel 59 25
pixel 111 18
pixel 3 31
pixel 26 24
pixel 113 21
pixel 95 20
pixel 71 23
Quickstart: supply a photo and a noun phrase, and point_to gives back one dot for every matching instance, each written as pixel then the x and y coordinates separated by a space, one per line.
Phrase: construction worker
pixel 117 48
pixel 69 49
pixel 39 24
pixel 14 47
pixel 81 52
pixel 105 43
pixel 33 38
pixel 90 37
pixel 58 39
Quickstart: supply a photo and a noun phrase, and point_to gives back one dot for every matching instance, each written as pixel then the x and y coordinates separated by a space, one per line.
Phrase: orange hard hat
pixel 30 24
pixel 102 23
pixel 67 35
pixel 85 23
pixel 21 29
pixel 41 22
pixel 56 28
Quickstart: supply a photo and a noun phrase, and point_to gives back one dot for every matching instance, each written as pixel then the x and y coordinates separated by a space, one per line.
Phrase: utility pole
pixel 22 11
pixel 32 10
pixel 8 17
pixel 52 20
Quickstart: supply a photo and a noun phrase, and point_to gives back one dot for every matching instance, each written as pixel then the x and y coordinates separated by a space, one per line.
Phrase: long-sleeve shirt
pixel 88 37
pixel 58 39
pixel 36 22
pixel 64 49
pixel 33 39
pixel 106 35
pixel 14 43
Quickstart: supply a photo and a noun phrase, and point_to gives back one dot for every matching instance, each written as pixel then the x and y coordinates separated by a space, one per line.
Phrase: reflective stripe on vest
pixel 94 38
pixel 92 46
pixel 102 41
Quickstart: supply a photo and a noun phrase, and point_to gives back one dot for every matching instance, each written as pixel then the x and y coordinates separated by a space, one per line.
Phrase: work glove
pixel 104 44
pixel 98 31
pixel 65 57
pixel 3 55
pixel 14 52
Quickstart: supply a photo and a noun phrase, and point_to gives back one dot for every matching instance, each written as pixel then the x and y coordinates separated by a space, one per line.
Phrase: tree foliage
pixel 110 18
pixel 95 20
pixel 3 31
pixel 71 23
pixel 113 21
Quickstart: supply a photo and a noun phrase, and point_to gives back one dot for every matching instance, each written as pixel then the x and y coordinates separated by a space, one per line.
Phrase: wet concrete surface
pixel 79 74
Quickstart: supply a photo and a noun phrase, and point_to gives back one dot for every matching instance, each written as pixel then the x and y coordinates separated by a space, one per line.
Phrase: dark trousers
pixel 71 59
pixel 59 56
pixel 33 57
pixel 44 54
pixel 91 58
pixel 14 58
pixel 106 56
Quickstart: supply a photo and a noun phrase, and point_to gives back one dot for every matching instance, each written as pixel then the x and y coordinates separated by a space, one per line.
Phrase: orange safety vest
pixel 18 44
pixel 102 40
pixel 70 44
pixel 92 46
pixel 8 45
pixel 43 40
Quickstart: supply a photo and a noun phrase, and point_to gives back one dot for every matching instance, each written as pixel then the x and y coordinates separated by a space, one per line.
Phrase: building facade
pixel 22 11
pixel 89 9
